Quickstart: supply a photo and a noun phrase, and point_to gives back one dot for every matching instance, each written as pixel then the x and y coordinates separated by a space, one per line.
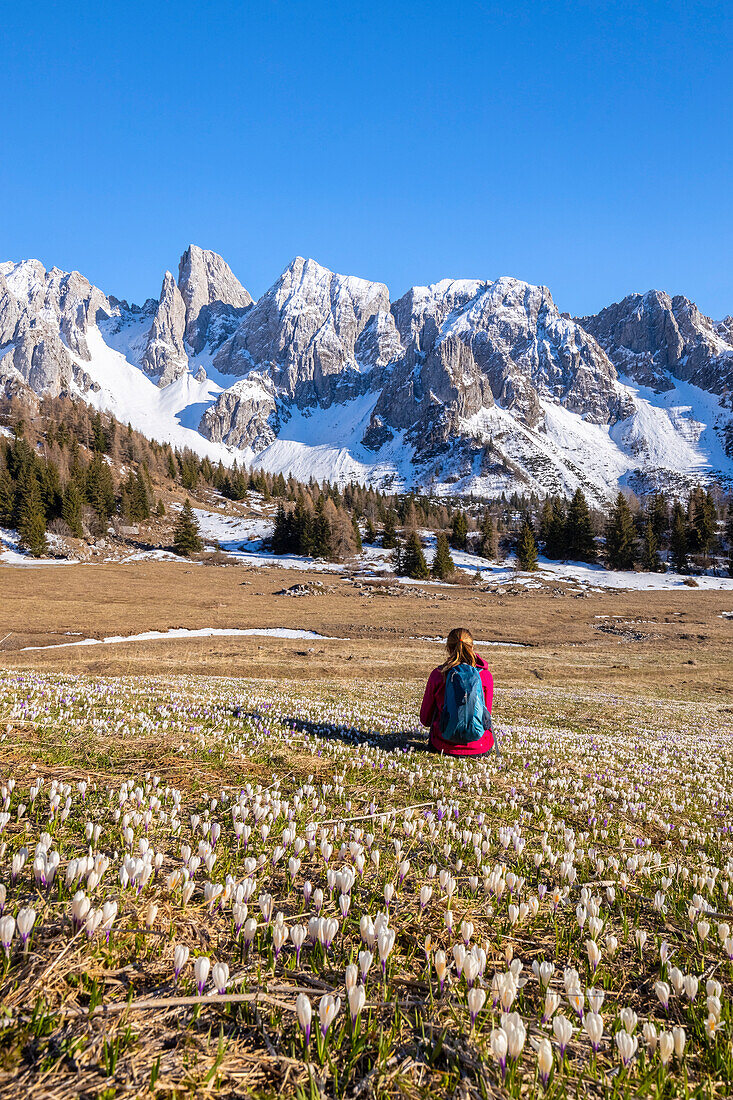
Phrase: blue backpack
pixel 464 717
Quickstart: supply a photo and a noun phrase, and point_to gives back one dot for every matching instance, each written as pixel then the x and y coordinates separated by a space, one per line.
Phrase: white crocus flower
pixel 220 976
pixel 304 1012
pixel 562 1029
pixel 357 1000
pixel 201 968
pixel 627 1046
pixel 26 920
pixel 180 958
pixel 328 1008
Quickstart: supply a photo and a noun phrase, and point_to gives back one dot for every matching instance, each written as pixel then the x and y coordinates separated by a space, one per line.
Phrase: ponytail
pixel 460 649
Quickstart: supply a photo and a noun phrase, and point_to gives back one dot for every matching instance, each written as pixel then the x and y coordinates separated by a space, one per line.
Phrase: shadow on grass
pixel 404 741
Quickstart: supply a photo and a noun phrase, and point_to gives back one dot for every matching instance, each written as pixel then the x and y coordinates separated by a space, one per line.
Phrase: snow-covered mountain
pixel 463 386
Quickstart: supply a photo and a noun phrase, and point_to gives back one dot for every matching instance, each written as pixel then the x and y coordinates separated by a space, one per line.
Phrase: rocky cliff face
pixel 165 357
pixel 245 415
pixel 304 331
pixel 44 316
pixel 472 345
pixel 204 307
pixel 209 289
pixel 655 339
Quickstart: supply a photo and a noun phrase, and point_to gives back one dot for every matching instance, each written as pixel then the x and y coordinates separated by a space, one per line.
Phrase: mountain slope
pixel 462 386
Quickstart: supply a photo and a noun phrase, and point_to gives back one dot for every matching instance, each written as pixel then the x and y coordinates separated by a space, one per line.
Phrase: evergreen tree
pixel 370 533
pixel 49 484
pixel 140 498
pixel 160 510
pixel 527 547
pixel 186 537
pixel 389 531
pixel 650 560
pixel 321 531
pixel 413 558
pixel 459 532
pixel 100 490
pixel 658 515
pixel 705 518
pixel 488 540
pixel 552 528
pixel 31 518
pixel 100 443
pixel 397 555
pixel 282 535
pixel 443 565
pixel 678 540
pixel 620 536
pixel 71 509
pixel 7 496
pixel 579 541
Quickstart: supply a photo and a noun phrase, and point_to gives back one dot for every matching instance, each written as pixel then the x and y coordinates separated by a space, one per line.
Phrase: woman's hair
pixel 460 649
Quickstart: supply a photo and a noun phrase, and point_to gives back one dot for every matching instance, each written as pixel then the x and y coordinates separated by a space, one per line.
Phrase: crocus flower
pixel 304 1013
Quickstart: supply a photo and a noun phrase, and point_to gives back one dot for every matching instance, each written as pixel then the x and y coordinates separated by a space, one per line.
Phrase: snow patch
pixel 204 632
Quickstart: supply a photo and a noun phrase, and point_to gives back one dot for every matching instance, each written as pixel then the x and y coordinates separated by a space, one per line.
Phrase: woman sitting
pixel 457 701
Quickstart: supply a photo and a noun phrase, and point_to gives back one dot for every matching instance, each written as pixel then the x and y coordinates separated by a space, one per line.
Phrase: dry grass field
pixel 676 642
pixel 232 870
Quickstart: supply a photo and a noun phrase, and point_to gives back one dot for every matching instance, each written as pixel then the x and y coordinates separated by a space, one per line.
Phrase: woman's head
pixel 459 644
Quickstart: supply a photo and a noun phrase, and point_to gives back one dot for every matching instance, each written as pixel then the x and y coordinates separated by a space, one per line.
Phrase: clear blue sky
pixel 586 146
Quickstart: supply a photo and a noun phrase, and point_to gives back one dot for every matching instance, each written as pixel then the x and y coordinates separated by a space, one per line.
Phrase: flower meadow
pixel 258 888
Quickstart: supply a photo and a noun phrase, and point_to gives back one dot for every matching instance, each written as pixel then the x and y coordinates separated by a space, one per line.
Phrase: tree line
pixel 73 470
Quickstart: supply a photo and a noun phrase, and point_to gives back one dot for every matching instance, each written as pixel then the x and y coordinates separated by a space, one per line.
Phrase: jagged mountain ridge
pixel 464 385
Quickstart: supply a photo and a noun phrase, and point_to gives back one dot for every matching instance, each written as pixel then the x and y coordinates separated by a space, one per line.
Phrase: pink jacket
pixel 432 705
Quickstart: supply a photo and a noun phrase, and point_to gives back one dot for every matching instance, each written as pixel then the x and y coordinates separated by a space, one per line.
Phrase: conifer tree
pixel 301 527
pixel 357 534
pixel 100 490
pixel 620 536
pixel 389 531
pixel 579 541
pixel 413 558
pixel 7 496
pixel 160 510
pixel 552 528
pixel 281 536
pixel 370 533
pixel 31 518
pixel 658 515
pixel 678 540
pixel 100 442
pixel 71 509
pixel 650 560
pixel 443 565
pixel 186 537
pixel 488 540
pixel 341 539
pixel 459 532
pixel 704 521
pixel 397 555
pixel 527 547
pixel 321 531
pixel 140 498
pixel 49 484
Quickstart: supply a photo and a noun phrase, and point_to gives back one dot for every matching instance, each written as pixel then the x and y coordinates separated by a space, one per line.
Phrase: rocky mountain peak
pixel 655 338
pixel 305 330
pixel 207 284
pixel 165 357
